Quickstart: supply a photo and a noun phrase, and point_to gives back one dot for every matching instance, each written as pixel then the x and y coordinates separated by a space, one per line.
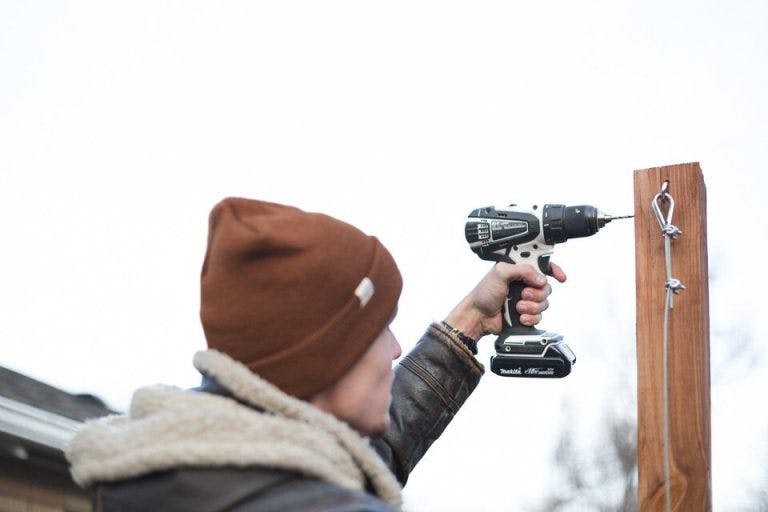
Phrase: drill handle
pixel 511 318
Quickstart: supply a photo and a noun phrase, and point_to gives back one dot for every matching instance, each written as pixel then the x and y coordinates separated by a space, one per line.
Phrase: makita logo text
pixel 540 371
pixel 514 371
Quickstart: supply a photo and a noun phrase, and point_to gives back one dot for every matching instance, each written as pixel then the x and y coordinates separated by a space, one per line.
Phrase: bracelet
pixel 466 340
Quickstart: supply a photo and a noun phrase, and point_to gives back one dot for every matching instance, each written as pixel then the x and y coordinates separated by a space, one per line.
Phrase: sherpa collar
pixel 167 427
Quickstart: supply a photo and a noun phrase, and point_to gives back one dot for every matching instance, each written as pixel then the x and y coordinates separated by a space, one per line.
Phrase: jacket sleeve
pixel 431 383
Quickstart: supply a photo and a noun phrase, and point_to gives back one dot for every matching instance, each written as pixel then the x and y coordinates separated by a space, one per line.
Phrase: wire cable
pixel 673 287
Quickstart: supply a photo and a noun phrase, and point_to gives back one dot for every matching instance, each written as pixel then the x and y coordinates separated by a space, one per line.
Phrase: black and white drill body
pixel 517 234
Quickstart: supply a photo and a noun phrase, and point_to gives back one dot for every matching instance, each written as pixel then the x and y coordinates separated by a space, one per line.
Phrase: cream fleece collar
pixel 167 427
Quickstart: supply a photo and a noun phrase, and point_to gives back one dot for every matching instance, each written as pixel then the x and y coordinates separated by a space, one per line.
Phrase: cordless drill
pixel 516 234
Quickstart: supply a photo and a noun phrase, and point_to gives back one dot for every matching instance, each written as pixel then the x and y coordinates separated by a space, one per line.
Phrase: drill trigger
pixel 544 265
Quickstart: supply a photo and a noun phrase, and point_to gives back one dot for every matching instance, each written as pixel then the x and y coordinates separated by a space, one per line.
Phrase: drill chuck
pixel 562 222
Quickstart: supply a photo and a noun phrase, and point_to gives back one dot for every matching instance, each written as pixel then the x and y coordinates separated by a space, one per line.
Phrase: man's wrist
pixel 468 342
pixel 466 319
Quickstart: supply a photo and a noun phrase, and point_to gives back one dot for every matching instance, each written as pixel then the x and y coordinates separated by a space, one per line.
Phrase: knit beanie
pixel 297 297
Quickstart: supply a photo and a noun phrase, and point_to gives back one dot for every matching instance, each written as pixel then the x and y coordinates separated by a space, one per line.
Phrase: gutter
pixel 36 425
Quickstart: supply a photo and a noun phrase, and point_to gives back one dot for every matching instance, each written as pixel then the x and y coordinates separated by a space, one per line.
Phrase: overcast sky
pixel 122 124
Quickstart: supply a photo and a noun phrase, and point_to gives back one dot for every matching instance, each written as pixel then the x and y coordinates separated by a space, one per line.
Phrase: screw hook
pixel 664 188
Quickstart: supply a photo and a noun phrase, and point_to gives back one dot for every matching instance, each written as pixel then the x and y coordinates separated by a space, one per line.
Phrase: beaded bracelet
pixel 466 340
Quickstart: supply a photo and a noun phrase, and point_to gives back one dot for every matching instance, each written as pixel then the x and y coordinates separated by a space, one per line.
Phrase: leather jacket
pixel 431 383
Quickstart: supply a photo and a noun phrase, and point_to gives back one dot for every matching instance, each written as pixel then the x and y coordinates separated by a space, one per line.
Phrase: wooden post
pixel 688 344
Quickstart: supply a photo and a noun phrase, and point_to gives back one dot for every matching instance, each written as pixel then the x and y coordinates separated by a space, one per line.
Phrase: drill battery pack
pixel 555 361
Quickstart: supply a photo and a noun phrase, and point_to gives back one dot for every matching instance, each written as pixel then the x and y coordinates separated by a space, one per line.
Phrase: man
pixel 299 408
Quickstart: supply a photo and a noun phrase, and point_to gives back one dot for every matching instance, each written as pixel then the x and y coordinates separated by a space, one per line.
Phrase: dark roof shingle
pixel 19 387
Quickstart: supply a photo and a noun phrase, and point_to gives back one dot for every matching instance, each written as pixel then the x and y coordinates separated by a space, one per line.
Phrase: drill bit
pixel 604 218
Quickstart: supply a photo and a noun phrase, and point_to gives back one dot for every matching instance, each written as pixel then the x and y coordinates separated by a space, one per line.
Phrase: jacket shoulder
pixel 233 489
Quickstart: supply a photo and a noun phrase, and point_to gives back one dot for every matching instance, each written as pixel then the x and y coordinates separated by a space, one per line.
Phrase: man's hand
pixel 480 311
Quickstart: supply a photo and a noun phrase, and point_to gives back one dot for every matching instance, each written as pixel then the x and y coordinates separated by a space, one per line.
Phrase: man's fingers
pixel 523 272
pixel 530 319
pixel 558 273
pixel 532 308
pixel 528 274
pixel 536 294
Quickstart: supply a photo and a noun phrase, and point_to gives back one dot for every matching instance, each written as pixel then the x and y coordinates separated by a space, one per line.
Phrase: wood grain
pixel 688 343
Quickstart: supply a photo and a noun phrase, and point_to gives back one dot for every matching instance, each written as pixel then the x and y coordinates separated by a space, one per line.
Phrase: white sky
pixel 121 124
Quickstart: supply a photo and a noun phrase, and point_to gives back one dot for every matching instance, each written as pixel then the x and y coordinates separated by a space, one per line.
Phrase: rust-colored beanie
pixel 297 297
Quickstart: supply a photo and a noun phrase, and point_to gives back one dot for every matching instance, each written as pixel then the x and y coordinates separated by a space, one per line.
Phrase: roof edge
pixel 37 425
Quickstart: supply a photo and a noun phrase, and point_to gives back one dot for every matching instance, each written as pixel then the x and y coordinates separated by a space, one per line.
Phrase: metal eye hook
pixel 665 188
pixel 663 196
